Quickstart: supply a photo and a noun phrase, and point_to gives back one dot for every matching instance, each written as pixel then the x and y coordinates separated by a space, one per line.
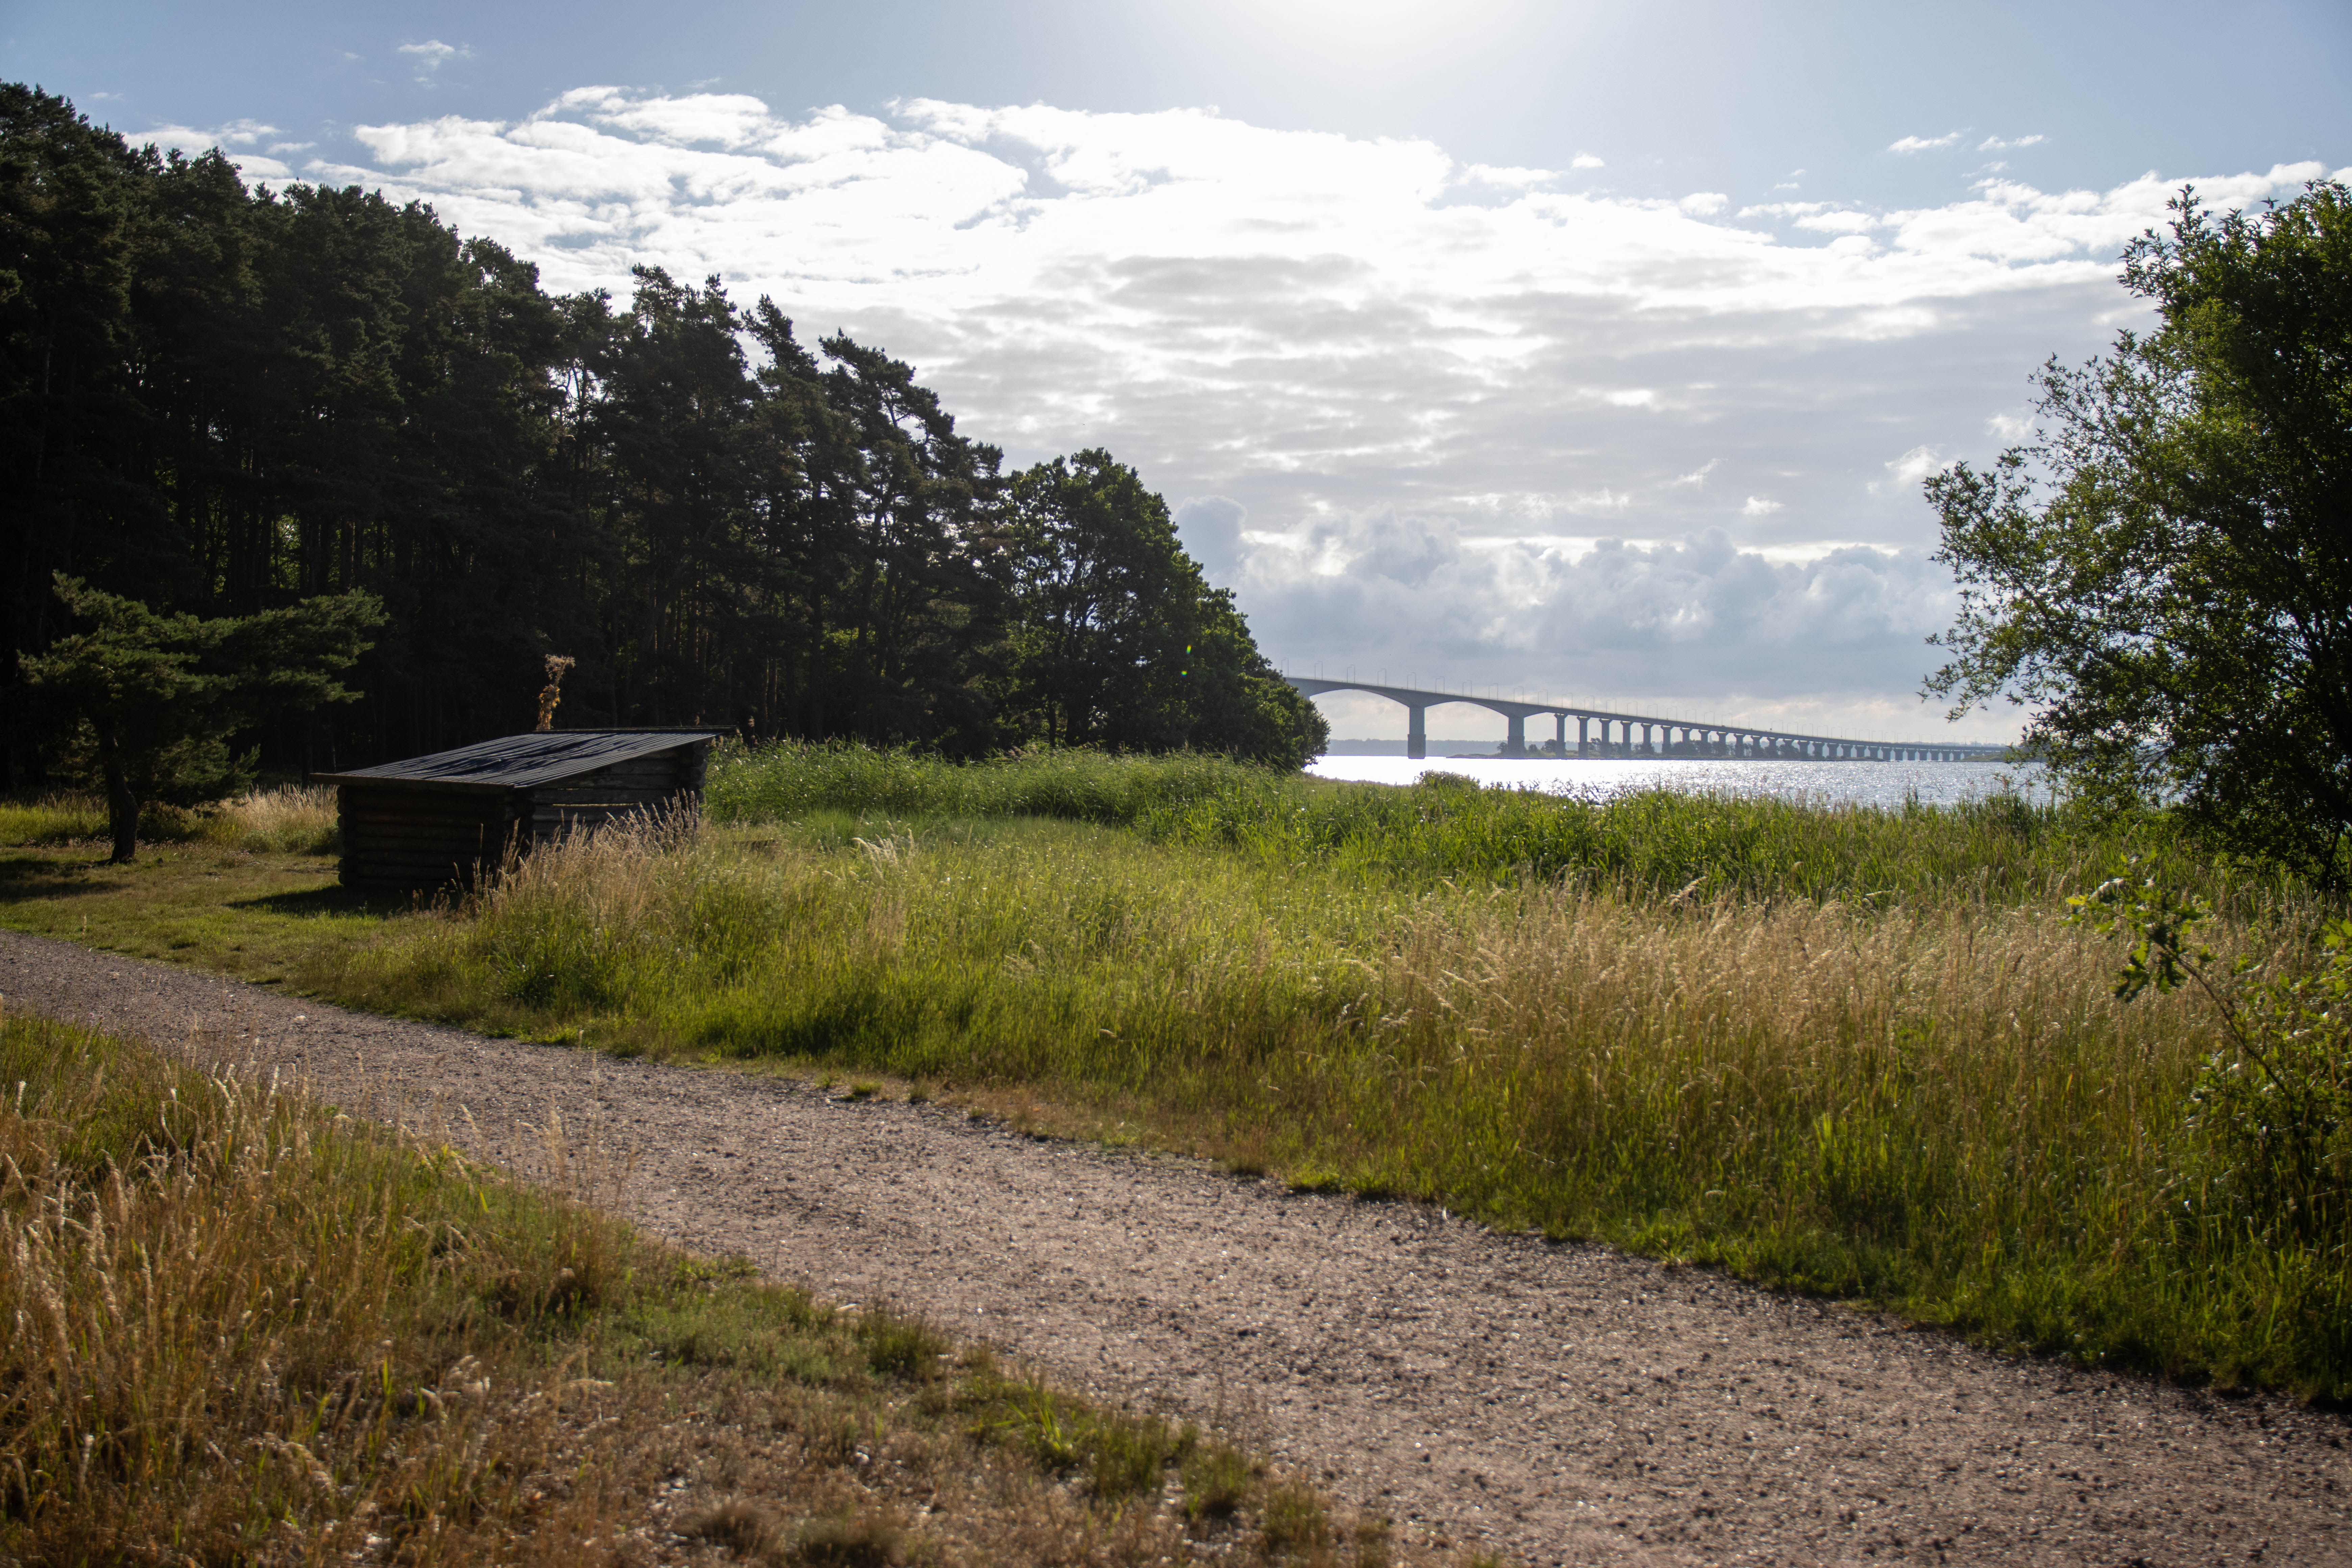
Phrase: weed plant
pixel 1922 1095
pixel 246 1329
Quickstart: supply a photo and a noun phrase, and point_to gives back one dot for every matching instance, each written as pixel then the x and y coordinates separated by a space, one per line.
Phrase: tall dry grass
pixel 245 1329
pixel 291 819
pixel 1937 1105
pixel 230 1313
pixel 295 819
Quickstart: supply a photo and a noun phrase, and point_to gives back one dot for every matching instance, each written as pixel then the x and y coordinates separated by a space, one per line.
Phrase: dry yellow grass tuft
pixel 289 819
pixel 245 1329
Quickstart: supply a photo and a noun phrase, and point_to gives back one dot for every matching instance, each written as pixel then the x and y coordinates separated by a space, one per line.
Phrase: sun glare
pixel 1387 35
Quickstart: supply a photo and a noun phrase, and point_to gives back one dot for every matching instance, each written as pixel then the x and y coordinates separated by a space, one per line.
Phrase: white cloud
pixel 1699 621
pixel 1917 464
pixel 1845 222
pixel 2010 428
pixel 1704 203
pixel 236 140
pixel 1995 144
pixel 1348 351
pixel 430 56
pixel 1517 179
pixel 1925 143
pixel 1585 161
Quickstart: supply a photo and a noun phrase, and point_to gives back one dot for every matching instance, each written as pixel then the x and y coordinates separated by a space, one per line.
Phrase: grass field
pixel 1839 1049
pixel 247 1329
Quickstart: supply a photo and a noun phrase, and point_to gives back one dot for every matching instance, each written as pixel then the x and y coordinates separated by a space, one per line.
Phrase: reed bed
pixel 1999 848
pixel 1932 1102
pixel 245 1329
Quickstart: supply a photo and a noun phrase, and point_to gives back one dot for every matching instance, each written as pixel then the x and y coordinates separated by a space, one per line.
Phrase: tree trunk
pixel 121 805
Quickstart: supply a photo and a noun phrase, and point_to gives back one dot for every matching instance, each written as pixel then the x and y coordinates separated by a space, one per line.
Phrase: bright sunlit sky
pixel 1595 350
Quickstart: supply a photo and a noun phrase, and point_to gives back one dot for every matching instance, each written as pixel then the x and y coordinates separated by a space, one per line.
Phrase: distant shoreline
pixel 1492 751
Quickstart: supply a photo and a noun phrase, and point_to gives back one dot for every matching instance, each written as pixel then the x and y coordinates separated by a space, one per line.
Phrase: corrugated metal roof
pixel 521 762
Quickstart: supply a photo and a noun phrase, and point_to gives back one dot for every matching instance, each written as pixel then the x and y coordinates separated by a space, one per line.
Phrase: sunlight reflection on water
pixel 1595 778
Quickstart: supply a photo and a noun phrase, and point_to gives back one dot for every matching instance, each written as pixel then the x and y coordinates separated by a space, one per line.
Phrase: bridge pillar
pixel 1583 740
pixel 1559 734
pixel 1515 744
pixel 1416 733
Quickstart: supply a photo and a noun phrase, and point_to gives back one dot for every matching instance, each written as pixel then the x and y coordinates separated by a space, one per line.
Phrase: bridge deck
pixel 1699 739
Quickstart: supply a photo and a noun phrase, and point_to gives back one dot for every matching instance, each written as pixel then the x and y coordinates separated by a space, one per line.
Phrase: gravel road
pixel 1560 1403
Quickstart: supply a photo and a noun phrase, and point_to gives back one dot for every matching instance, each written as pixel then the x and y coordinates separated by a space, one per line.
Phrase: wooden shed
pixel 450 816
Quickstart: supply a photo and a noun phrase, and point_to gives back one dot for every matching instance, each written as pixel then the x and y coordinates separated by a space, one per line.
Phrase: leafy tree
pixel 1121 642
pixel 1109 603
pixel 918 616
pixel 158 695
pixel 1241 705
pixel 219 401
pixel 69 216
pixel 2165 572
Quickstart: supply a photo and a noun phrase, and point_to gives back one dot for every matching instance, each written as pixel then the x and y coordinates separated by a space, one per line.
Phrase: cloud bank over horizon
pixel 1485 424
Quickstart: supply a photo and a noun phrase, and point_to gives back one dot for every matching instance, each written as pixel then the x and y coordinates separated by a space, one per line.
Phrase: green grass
pixel 1999 849
pixel 245 1329
pixel 257 916
pixel 1837 1049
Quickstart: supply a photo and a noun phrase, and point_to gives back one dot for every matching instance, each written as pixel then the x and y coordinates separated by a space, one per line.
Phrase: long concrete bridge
pixel 1658 735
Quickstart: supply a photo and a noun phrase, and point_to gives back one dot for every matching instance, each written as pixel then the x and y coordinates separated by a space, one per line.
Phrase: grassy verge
pixel 246 1328
pixel 247 886
pixel 1839 1049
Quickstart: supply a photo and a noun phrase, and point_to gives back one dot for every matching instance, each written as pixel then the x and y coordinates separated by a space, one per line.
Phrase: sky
pixel 1589 351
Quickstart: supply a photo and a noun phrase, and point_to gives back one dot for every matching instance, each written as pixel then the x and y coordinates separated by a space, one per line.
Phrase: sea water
pixel 1598 778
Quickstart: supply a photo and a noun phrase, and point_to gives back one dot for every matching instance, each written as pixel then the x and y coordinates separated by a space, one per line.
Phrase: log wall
pixel 414 834
pixel 408 837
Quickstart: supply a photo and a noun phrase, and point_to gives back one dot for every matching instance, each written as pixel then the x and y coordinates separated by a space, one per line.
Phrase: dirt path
pixel 1561 1404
